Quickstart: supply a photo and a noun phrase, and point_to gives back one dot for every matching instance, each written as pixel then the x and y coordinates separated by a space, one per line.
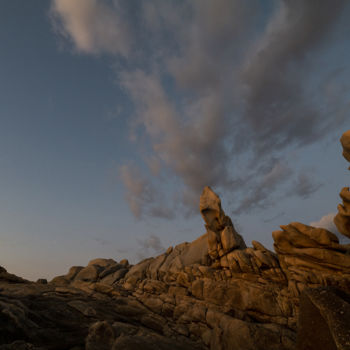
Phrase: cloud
pixel 326 222
pixel 101 240
pixel 304 186
pixel 277 216
pixel 149 246
pixel 93 26
pixel 140 194
pixel 278 109
pixel 138 190
pixel 221 90
pixel 259 195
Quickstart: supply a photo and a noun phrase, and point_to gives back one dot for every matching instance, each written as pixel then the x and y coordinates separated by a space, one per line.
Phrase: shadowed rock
pixel 328 311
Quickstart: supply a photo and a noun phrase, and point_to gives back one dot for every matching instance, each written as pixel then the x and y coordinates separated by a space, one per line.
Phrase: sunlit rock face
pixel 222 236
pixel 213 293
pixel 342 219
pixel 345 142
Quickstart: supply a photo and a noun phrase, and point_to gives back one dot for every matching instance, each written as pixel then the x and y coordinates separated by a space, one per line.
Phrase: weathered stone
pixel 211 293
pixel 60 281
pixel 138 271
pixel 345 142
pixel 197 289
pixel 342 219
pixel 100 337
pixel 115 276
pixel 82 307
pixel 102 262
pixel 230 239
pixel 210 208
pixel 124 262
pixel 111 269
pixel 88 273
pixel 73 271
pixel 328 311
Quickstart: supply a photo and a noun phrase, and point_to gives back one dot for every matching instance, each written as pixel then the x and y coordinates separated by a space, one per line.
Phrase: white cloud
pixel 326 222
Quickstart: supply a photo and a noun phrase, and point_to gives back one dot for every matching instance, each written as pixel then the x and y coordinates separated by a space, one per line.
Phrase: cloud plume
pixel 150 246
pixel 220 90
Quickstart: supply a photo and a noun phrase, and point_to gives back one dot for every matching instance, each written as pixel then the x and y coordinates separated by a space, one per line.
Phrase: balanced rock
pixel 221 234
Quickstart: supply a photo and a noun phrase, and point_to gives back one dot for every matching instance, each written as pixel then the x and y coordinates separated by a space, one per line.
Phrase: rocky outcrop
pixel 213 293
pixel 221 234
pixel 342 219
pixel 345 142
pixel 312 257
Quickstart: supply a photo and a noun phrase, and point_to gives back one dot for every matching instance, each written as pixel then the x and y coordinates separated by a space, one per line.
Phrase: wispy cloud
pixel 260 195
pixel 149 246
pixel 220 91
pixel 141 196
pixel 304 186
pixel 93 26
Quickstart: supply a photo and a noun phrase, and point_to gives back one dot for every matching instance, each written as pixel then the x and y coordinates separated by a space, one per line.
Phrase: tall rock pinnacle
pixel 222 236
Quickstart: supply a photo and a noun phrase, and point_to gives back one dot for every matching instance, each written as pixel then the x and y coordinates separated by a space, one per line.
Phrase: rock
pixel 42 281
pixel 230 239
pixel 73 271
pixel 124 262
pixel 111 269
pixel 102 262
pixel 326 310
pixel 345 142
pixel 138 271
pixel 101 336
pixel 221 234
pixel 88 273
pixel 342 219
pixel 153 342
pixel 82 307
pixel 60 281
pixel 115 276
pixel 197 289
pixel 210 208
pixel 213 293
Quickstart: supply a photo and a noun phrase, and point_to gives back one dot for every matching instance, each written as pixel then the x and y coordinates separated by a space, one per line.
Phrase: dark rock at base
pixel 324 320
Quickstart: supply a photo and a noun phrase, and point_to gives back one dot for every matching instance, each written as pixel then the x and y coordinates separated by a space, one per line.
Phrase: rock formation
pixel 221 234
pixel 342 219
pixel 213 293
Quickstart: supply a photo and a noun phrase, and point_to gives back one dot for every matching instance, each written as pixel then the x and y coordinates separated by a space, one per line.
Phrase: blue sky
pixel 114 115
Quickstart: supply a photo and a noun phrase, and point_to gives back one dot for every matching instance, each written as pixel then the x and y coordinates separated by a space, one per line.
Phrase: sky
pixel 115 114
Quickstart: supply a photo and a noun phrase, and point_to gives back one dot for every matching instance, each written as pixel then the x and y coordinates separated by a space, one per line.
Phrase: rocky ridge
pixel 213 293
